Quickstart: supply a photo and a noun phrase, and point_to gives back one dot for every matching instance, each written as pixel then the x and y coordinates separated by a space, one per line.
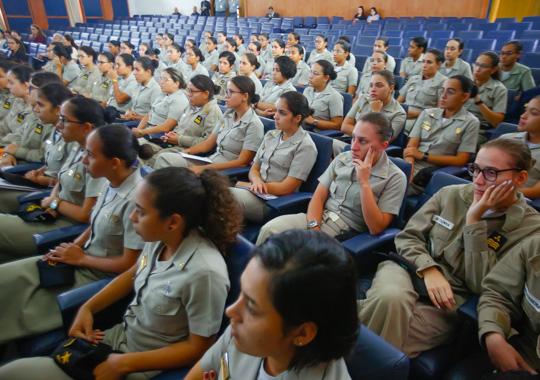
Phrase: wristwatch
pixel 54 204
pixel 425 156
pixel 315 122
pixel 312 224
pixel 479 102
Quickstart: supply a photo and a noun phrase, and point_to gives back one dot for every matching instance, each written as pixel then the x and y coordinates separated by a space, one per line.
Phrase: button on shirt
pixel 174 298
pixel 445 137
pixel 145 96
pixel 272 91
pixel 197 123
pixel 534 172
pixel 460 67
pixel 112 230
pixel 168 106
pixel 235 136
pixel 423 93
pixel 493 94
pixel 280 159
pixel 393 111
pixel 387 182
pixel 128 86
pixel 347 75
pixel 519 78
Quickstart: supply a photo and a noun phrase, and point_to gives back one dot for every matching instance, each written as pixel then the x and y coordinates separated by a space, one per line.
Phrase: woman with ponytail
pixel 180 281
pixel 107 247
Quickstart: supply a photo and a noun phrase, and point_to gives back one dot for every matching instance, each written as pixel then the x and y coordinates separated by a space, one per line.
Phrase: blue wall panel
pixel 21 25
pixel 92 8
pixel 55 8
pixel 16 7
pixel 120 8
pixel 58 23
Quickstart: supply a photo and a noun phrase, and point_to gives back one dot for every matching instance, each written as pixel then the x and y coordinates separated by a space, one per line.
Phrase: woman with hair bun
pixel 283 161
pixel 235 139
pixel 180 281
pixel 107 247
pixel 284 71
pixel 326 102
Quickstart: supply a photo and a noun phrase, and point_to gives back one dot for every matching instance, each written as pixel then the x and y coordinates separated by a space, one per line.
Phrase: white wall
pixel 165 7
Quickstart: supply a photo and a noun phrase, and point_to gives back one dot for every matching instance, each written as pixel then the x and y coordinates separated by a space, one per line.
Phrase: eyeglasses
pixel 505 53
pixel 490 174
pixel 482 65
pixel 102 62
pixel 190 91
pixel 231 92
pixel 164 79
pixel 63 120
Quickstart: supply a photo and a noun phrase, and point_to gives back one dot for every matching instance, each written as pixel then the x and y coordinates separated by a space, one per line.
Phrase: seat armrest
pixel 34 196
pixel 48 240
pixel 366 242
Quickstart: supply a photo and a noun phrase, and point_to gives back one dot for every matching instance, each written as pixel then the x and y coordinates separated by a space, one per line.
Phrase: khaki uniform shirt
pixel 493 94
pixel 387 182
pixel 411 67
pixel 534 173
pixel 247 367
pixel 17 116
pixel 70 72
pixel 183 295
pixel 272 91
pixel 85 81
pixel 221 80
pixel 423 93
pixel 280 159
pixel 236 136
pixel 510 299
pixel 33 135
pixel 460 68
pixel 197 124
pixel 112 230
pixel 436 235
pixel 302 74
pixel 390 65
pixel 518 79
pixel 267 66
pixel 56 153
pixel 258 84
pixel 145 96
pixel 6 99
pixel 211 59
pixel 128 86
pixel 189 72
pixel 315 56
pixel 445 137
pixel 101 90
pixel 165 107
pixel 347 75
pixel 393 111
pixel 326 104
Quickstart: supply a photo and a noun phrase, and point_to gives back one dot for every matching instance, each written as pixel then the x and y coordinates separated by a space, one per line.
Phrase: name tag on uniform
pixel 426 126
pixel 443 222
pixel 38 130
pixel 85 77
pixel 198 120
pixel 7 105
pixel 458 131
pixel 495 241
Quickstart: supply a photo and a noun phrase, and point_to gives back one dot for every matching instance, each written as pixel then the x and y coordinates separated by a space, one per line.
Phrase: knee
pixel 269 229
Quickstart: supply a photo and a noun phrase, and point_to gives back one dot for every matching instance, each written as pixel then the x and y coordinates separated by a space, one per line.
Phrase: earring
pixel 298 342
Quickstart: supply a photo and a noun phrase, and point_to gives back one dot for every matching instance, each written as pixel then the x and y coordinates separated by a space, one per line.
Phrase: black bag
pixel 423 176
pixel 78 358
pixel 33 213
pixel 19 180
pixel 510 375
pixel 53 274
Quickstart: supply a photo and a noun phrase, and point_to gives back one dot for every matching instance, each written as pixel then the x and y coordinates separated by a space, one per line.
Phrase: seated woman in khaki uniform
pixel 347 74
pixel 284 71
pixel 109 245
pixel 510 300
pixel 236 138
pixel 89 74
pixel 101 90
pixel 362 190
pixel 443 136
pixel 423 91
pixel 287 322
pixel 377 62
pixel 225 72
pixel 453 64
pixel 296 54
pixel 323 99
pixel 529 133
pixel 180 281
pixel 168 108
pixel 74 195
pixel 379 99
pixel 277 49
pixel 64 66
pixel 454 241
pixel 283 161
pixel 19 87
pixel 124 84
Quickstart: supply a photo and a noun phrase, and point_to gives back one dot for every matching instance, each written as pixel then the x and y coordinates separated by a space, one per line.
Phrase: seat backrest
pixel 347 102
pixel 374 358
pixel 324 157
pixel 437 182
pixel 268 124
pixel 406 169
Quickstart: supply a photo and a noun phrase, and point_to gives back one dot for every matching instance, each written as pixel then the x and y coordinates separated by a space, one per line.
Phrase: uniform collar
pixel 514 215
pixel 437 113
pixel 127 187
pixel 488 85
pixel 246 118
pixel 185 251
pixel 293 140
pixel 517 69
pixel 150 83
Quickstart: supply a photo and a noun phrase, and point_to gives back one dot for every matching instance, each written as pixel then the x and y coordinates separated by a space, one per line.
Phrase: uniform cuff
pixel 423 262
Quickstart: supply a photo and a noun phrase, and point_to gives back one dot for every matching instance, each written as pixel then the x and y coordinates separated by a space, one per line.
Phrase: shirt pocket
pixel 74 183
pixel 438 239
pixel 162 305
pixel 114 242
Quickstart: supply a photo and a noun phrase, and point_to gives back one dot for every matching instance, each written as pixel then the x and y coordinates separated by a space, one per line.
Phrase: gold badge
pixel 64 358
pixel 115 219
pixel 78 176
pixel 85 77
pixel 142 264
pixel 7 105
pixel 426 126
pixel 458 131
pixel 495 241
pixel 38 130
pixel 20 117
pixel 198 120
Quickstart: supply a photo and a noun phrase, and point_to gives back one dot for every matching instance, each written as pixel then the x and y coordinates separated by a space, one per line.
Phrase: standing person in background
pixel 205 8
